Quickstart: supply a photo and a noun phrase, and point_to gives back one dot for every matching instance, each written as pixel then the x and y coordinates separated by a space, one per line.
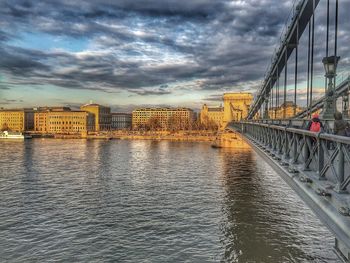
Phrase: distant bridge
pixel 315 165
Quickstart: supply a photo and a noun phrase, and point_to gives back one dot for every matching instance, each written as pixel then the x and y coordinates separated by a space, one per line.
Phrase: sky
pixel 127 54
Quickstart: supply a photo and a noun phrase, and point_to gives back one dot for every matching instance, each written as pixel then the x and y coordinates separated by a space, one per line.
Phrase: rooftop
pixel 93 105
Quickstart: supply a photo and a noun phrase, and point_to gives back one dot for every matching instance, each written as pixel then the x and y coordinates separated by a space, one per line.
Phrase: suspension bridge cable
pixel 296 70
pixel 285 82
pixel 308 70
pixel 312 53
pixel 336 35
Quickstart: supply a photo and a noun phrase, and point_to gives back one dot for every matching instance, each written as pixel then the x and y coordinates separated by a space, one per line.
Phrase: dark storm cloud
pixel 106 8
pixel 150 92
pixel 213 98
pixel 131 107
pixel 21 62
pixel 4 87
pixel 144 45
pixel 4 36
pixel 9 101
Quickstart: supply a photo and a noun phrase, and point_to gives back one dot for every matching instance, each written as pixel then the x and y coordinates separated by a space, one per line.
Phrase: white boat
pixel 14 135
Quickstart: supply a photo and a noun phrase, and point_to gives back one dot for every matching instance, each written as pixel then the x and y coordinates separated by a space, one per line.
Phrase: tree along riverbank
pixel 208 136
pixel 201 135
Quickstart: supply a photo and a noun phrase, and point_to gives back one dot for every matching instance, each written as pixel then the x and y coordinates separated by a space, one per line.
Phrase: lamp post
pixel 266 111
pixel 330 66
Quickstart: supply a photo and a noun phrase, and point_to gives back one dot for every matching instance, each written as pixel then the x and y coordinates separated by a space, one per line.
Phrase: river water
pixel 150 201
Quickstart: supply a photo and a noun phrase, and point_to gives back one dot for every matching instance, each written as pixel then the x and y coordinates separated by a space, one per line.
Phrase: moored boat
pixel 14 135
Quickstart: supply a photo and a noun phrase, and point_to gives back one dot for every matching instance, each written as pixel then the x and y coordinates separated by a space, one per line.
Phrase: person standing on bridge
pixel 341 127
pixel 315 125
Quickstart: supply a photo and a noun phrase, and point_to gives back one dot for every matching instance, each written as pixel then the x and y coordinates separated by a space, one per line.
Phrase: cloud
pixel 4 36
pixel 214 98
pixel 130 107
pixel 9 101
pixel 146 47
pixel 4 87
pixel 150 92
pixel 20 63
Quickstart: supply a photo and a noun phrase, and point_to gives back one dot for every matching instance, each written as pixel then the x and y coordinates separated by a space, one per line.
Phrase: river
pixel 150 201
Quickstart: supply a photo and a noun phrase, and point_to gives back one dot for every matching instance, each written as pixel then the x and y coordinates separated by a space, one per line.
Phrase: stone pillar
pixel 236 103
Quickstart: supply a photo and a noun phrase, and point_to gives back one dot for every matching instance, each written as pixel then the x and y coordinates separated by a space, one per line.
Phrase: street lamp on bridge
pixel 266 111
pixel 330 66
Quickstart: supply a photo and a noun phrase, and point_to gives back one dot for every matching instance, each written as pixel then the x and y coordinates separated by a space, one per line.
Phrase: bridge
pixel 315 165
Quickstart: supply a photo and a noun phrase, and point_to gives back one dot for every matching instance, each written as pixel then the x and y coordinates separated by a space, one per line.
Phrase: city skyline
pixel 143 53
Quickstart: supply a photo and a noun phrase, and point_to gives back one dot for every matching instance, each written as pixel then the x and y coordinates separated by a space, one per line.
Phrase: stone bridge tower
pixel 236 106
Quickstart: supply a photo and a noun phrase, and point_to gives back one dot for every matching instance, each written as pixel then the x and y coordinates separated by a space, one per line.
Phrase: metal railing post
pixel 320 158
pixel 306 154
pixel 286 144
pixel 338 187
pixel 281 145
pixel 275 145
pixel 295 149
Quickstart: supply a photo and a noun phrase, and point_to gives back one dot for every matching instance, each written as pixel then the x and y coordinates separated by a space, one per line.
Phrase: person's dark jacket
pixel 340 125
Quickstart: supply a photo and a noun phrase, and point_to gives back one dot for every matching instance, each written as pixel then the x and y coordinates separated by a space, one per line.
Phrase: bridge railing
pixel 299 123
pixel 324 158
pixel 315 165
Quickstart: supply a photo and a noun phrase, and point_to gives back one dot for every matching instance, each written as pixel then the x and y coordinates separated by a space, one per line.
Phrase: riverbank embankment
pixel 203 136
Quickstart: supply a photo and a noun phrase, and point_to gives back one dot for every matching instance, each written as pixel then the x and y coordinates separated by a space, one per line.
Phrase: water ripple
pixel 143 201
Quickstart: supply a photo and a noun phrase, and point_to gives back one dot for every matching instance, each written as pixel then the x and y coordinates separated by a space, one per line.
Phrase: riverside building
pixel 41 117
pixel 63 121
pixel 18 120
pixel 70 122
pixel 212 114
pixel 121 121
pixel 162 116
pixel 285 110
pixel 102 115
